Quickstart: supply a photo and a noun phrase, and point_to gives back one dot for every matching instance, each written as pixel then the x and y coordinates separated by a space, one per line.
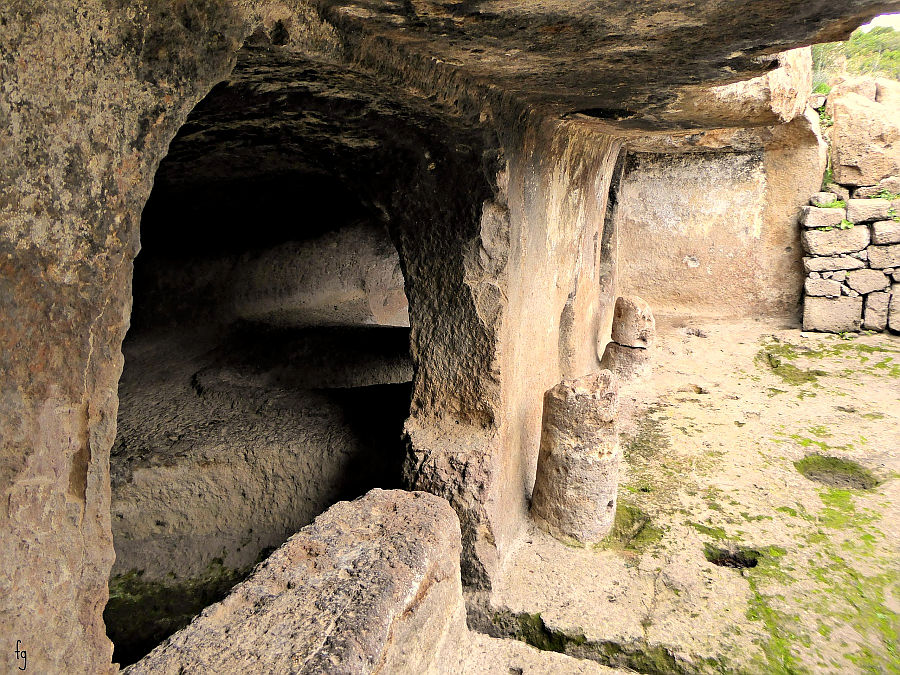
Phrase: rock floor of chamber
pixel 730 554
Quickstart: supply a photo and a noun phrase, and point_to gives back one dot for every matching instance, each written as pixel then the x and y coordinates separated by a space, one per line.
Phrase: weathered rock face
pixel 865 138
pixel 886 232
pixel 894 309
pixel 532 268
pixel 875 316
pixel 868 210
pixel 819 287
pixel 225 449
pixel 866 281
pixel 811 216
pixel 890 184
pixel 91 98
pixel 391 558
pixel 350 277
pixel 831 242
pixel 577 480
pixel 716 232
pixel 84 126
pixel 881 257
pixel 776 97
pixel 831 263
pixel 863 86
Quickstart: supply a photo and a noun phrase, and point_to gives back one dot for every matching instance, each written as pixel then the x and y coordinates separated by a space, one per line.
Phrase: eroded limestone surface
pixel 371 585
pixel 865 145
pixel 712 227
pixel 224 450
pixel 629 353
pixel 501 274
pixel 218 457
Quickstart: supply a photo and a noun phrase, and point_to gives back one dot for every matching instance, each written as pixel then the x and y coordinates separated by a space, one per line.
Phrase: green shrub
pixel 876 53
pixel 836 204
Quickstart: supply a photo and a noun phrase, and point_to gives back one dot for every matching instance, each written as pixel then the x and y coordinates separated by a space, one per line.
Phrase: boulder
pixel 888 93
pixel 821 199
pixel 822 264
pixel 876 311
pixel 577 478
pixel 633 323
pixel 886 232
pixel 868 210
pixel 829 242
pixel 812 216
pixel 890 184
pixel 861 86
pixel 865 140
pixel 816 100
pixel 866 281
pixel 776 97
pixel 822 287
pixel 372 584
pixel 841 191
pixel 881 257
pixel 832 315
pixel 894 310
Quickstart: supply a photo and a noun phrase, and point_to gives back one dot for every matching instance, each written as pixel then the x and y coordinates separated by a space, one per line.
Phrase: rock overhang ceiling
pixel 626 68
pixel 622 64
pixel 292 137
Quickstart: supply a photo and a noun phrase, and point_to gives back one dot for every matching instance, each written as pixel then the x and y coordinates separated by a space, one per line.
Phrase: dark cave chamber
pixel 267 368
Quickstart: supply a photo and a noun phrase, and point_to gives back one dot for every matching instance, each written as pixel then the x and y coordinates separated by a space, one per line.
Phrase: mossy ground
pixel 847 355
pixel 724 470
pixel 836 472
pixel 633 529
pixel 788 372
pixel 636 656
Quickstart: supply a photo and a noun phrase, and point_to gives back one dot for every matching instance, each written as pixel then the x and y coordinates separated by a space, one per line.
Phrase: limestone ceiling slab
pixel 617 61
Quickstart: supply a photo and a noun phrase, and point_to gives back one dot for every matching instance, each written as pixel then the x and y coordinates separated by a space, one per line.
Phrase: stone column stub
pixel 575 490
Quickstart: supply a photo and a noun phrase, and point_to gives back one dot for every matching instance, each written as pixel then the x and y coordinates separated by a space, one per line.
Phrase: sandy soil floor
pixel 726 557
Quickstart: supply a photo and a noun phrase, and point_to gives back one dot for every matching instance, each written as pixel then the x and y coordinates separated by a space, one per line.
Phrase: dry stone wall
pixel 852 262
pixel 851 230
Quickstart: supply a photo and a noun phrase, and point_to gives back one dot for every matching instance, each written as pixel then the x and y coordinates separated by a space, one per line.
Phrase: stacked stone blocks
pixel 852 260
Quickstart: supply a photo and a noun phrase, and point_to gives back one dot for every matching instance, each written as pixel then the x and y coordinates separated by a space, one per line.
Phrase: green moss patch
pixel 738 557
pixel 836 472
pixel 142 613
pixel 650 439
pixel 713 531
pixel 788 372
pixel 632 529
pixel 776 354
pixel 635 655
